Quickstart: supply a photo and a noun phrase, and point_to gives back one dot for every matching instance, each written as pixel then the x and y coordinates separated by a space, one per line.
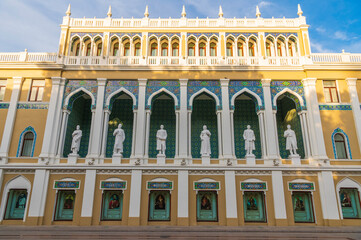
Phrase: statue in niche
pixel 291 141
pixel 75 144
pixel 161 140
pixel 205 142
pixel 119 140
pixel 249 138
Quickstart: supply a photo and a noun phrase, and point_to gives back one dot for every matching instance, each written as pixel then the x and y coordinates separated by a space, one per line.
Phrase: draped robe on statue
pixel 205 143
pixel 119 139
pixel 161 140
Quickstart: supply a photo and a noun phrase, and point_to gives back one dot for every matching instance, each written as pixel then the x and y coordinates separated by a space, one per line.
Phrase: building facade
pixel 184 74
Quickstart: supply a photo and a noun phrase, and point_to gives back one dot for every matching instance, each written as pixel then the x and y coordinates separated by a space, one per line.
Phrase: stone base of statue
pixel 117 158
pixel 161 159
pixel 72 158
pixel 206 160
pixel 251 159
pixel 296 159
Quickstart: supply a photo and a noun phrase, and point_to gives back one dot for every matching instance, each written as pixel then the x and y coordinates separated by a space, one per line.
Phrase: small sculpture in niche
pixel 291 141
pixel 119 140
pixel 205 142
pixel 161 140
pixel 75 144
pixel 249 139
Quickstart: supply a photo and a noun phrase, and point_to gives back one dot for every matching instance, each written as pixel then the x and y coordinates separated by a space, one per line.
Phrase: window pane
pixel 207 206
pixel 302 207
pixel 329 83
pixel 40 94
pixel 327 94
pixel 334 95
pixel 340 150
pixel 164 52
pixel 350 204
pixel 202 52
pixel 159 206
pixel 33 93
pixel 213 52
pixel 15 207
pixel 38 83
pixel 254 207
pixel 2 92
pixel 112 205
pixel 126 52
pixel 191 52
pixel 137 52
pixel 65 205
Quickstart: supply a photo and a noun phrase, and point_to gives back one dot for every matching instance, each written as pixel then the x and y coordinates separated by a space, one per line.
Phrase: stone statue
pixel 161 140
pixel 75 144
pixel 291 141
pixel 249 138
pixel 119 139
pixel 205 142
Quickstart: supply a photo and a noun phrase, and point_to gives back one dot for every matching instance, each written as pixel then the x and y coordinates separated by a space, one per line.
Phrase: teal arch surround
pixel 204 113
pixel 163 113
pixel 287 114
pixel 26 130
pixel 339 130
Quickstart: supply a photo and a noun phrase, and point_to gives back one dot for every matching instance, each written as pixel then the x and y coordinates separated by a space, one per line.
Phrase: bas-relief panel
pixel 154 86
pixel 212 86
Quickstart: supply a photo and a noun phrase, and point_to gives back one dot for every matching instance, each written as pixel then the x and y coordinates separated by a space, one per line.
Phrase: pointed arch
pixel 347 142
pixel 149 103
pixel 192 36
pixel 287 90
pixel 18 182
pixel 81 89
pixel 204 90
pixel 135 36
pixel 348 182
pixel 21 141
pixel 246 90
pixel 160 179
pixel 124 90
pixel 75 36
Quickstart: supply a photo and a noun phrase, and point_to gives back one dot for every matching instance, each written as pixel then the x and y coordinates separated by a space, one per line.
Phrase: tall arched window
pixel 202 49
pixel 290 50
pixel 213 49
pixel 340 145
pixel 153 49
pixel 99 49
pixel 164 49
pixel 27 145
pixel 77 49
pixel 279 50
pixel 137 49
pixel 251 49
pixel 229 50
pixel 175 50
pixel 127 49
pixel 268 49
pixel 115 49
pixel 240 49
pixel 191 51
pixel 88 48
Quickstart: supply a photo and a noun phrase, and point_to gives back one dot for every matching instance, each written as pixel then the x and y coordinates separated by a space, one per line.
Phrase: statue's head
pixel 288 126
pixel 204 127
pixel 248 127
pixel 161 126
pixel 120 125
pixel 77 127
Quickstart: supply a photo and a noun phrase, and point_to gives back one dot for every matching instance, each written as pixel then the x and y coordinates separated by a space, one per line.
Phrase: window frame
pixel 264 206
pixel 23 143
pixel 121 205
pixel 344 145
pixel 7 203
pixel 37 91
pixel 216 199
pixel 57 202
pixel 359 201
pixel 311 205
pixel 3 86
pixel 170 205
pixel 329 91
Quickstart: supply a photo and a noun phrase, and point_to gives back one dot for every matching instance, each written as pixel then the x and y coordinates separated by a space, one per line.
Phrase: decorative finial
pixel 109 14
pixel 220 14
pixel 258 13
pixel 68 12
pixel 146 13
pixel 184 14
pixel 299 12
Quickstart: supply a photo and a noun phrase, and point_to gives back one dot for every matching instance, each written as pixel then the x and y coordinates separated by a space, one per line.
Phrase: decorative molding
pixel 19 171
pixel 253 172
pixel 33 106
pixel 66 184
pixel 131 34
pixel 115 171
pixel 159 185
pixel 240 34
pixel 161 34
pixel 83 34
pixel 277 34
pixel 160 172
pixel 198 35
pixel 113 185
pixel 206 172
pixel 67 171
pixel 4 105
pixel 299 173
pixel 301 186
pixel 341 107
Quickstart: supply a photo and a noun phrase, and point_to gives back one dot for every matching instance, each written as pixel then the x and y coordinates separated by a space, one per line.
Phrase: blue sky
pixel 34 24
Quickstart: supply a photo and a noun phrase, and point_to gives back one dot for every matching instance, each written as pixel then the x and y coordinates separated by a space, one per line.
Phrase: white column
pixel 64 123
pixel 306 141
pixel 219 127
pixel 190 134
pixel 135 194
pixel 226 121
pixel 147 129
pixel 105 133
pixel 231 196
pixel 10 119
pixel 315 125
pixel 88 195
pixel 183 191
pixel 232 134
pixel 328 196
pixel 269 120
pixel 183 122
pixel 262 133
pixel 39 193
pixel 176 134
pixel 140 133
pixel 50 120
pixel 278 196
pixel 351 82
pixel 134 132
pixel 96 128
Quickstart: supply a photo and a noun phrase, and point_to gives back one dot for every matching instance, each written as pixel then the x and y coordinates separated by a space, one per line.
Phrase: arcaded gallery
pixel 181 121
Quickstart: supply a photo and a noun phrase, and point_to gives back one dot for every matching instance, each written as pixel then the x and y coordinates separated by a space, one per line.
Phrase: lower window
pixel 112 205
pixel 207 206
pixel 15 206
pixel 64 208
pixel 350 202
pixel 254 207
pixel 159 206
pixel 302 207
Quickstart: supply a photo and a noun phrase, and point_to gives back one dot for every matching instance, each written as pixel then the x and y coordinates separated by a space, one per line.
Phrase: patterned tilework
pixel 244 34
pixel 286 114
pixel 132 34
pixel 160 34
pixel 162 113
pixel 28 129
pixel 153 86
pixel 112 86
pixel 335 107
pixel 339 130
pixel 80 115
pixel 122 112
pixel 4 105
pixel 212 86
pixel 208 35
pixel 204 114
pixel 276 34
pixel 254 86
pixel 82 34
pixel 33 106
pixel 73 85
pixel 244 115
pixel 296 86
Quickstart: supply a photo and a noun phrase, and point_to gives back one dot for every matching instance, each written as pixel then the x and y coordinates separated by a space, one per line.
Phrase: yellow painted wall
pixel 332 119
pixel 8 90
pixel 51 200
pixel 7 178
pixel 343 91
pixel 319 90
pixel 358 87
pixel 3 114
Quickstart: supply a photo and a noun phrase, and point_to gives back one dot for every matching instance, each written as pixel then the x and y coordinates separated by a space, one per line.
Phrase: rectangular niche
pixel 254 206
pixel 302 207
pixel 159 206
pixel 64 209
pixel 16 204
pixel 350 203
pixel 112 205
pixel 207 206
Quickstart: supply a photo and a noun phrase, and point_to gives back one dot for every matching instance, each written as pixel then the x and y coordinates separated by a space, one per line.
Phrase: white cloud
pixel 319 48
pixel 340 35
pixel 320 30
pixel 264 4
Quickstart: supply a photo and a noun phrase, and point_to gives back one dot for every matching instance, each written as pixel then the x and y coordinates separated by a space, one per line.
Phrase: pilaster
pixel 351 82
pixel 140 133
pixel 226 121
pixel 135 197
pixel 183 123
pixel 183 191
pixel 231 198
pixel 88 197
pixel 279 198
